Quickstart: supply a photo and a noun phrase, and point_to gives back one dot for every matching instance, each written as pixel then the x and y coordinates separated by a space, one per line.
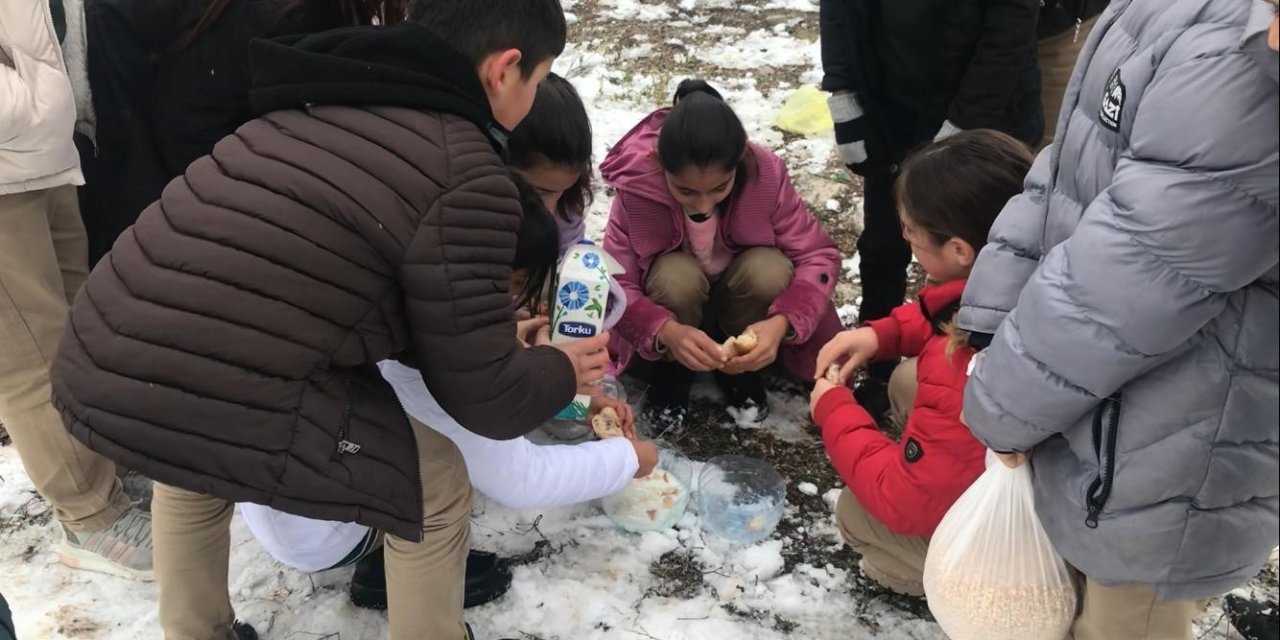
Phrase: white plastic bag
pixel 991 572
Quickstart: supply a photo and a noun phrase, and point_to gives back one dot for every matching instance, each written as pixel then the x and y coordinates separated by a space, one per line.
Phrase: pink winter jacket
pixel 646 222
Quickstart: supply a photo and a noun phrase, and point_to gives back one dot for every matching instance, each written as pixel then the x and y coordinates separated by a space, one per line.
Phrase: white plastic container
pixel 582 297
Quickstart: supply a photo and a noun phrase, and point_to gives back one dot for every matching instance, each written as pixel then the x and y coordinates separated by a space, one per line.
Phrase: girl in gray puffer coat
pixel 1139 367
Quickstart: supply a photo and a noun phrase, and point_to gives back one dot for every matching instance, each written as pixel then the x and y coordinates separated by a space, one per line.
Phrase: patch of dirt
pixel 677 575
pixel 34 513
pixel 72 624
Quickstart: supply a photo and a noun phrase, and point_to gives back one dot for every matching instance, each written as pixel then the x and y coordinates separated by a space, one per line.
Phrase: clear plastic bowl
pixel 655 502
pixel 572 431
pixel 740 499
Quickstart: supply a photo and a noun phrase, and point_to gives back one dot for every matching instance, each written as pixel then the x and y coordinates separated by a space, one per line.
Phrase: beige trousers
pixel 1132 612
pixel 191 536
pixel 741 297
pixel 43 262
pixel 895 561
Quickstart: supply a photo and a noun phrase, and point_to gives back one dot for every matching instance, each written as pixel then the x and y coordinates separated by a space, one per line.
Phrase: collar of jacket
pixel 939 303
pixel 405 66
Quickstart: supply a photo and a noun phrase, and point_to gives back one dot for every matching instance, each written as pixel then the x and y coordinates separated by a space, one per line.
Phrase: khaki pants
pixel 1058 56
pixel 1132 612
pixel 43 262
pixel 740 298
pixel 894 561
pixel 191 536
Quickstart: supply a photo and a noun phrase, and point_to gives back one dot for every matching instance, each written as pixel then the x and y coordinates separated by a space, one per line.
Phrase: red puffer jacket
pixel 909 485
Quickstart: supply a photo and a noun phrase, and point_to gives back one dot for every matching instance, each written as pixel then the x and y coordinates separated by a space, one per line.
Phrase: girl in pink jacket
pixel 716 242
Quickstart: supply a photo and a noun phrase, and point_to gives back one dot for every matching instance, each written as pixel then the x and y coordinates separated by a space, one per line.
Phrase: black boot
pixel 487 578
pixel 667 401
pixel 369 582
pixel 244 631
pixel 1252 620
pixel 745 397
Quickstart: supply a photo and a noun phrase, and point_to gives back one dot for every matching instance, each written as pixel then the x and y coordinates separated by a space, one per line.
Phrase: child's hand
pixel 647 454
pixel 856 347
pixel 527 329
pixel 769 335
pixel 691 347
pixel 820 388
pixel 625 414
pixel 590 358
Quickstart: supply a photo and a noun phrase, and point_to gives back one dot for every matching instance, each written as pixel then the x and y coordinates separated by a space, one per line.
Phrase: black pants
pixel 884 257
pixel 884 254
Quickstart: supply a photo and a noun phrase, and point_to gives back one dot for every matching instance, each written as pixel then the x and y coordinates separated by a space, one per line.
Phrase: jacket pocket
pixel 1106 431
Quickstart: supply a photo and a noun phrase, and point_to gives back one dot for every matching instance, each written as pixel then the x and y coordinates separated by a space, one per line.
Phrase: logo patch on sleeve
pixel 913 451
pixel 1112 103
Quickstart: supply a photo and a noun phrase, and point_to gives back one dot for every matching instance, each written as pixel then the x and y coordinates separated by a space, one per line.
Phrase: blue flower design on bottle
pixel 591 261
pixel 573 295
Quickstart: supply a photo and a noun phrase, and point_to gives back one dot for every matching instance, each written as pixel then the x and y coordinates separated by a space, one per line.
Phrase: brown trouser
pixel 43 262
pixel 1132 612
pixel 191 536
pixel 894 561
pixel 740 298
pixel 1058 56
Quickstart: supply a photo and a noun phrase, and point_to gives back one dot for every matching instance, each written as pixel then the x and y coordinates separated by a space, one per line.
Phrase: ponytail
pixel 694 85
pixel 701 131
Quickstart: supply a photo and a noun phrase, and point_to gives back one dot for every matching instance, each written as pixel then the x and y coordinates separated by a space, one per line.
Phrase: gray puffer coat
pixel 1140 362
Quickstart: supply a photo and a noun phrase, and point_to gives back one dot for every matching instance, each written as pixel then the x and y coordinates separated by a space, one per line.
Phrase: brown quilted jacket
pixel 227 343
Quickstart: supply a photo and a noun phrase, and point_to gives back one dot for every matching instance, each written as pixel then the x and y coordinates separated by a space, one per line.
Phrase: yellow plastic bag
pixel 805 112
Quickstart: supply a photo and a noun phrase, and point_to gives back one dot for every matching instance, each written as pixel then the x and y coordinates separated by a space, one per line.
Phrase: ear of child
pixel 509 89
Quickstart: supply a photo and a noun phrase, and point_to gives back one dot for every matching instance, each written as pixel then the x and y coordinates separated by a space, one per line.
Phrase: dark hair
pixel 557 131
pixel 537 244
pixel 955 188
pixel 701 130
pixel 343 13
pixel 477 28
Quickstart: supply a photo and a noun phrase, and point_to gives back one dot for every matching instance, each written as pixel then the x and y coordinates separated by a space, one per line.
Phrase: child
pixel 515 473
pixel 1129 299
pixel 906 72
pixel 715 242
pixel 949 193
pixel 551 149
pixel 228 346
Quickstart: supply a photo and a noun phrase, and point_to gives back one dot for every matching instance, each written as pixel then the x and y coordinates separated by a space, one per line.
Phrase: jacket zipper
pixel 66 73
pixel 1100 488
pixel 345 446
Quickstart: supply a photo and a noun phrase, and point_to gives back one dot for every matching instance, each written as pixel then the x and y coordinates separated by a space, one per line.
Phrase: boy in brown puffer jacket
pixel 226 346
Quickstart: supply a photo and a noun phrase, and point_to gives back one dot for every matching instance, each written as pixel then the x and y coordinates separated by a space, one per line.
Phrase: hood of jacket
pixel 405 66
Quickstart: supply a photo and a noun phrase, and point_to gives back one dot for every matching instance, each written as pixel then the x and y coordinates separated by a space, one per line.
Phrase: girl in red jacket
pixel 949 193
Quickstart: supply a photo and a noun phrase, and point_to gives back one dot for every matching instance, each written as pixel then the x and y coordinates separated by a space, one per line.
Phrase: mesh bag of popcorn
pixel 991 572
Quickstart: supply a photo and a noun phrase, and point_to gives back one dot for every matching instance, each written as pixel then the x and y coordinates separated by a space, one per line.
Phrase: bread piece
pixel 607 424
pixel 740 345
pixel 833 374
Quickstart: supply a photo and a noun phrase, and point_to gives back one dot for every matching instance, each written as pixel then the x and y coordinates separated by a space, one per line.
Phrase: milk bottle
pixel 582 294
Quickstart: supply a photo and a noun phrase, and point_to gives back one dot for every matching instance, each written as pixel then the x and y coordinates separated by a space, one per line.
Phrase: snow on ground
pixel 580 577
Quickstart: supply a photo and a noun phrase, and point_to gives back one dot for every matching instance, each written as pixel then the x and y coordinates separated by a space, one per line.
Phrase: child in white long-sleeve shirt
pixel 515 473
